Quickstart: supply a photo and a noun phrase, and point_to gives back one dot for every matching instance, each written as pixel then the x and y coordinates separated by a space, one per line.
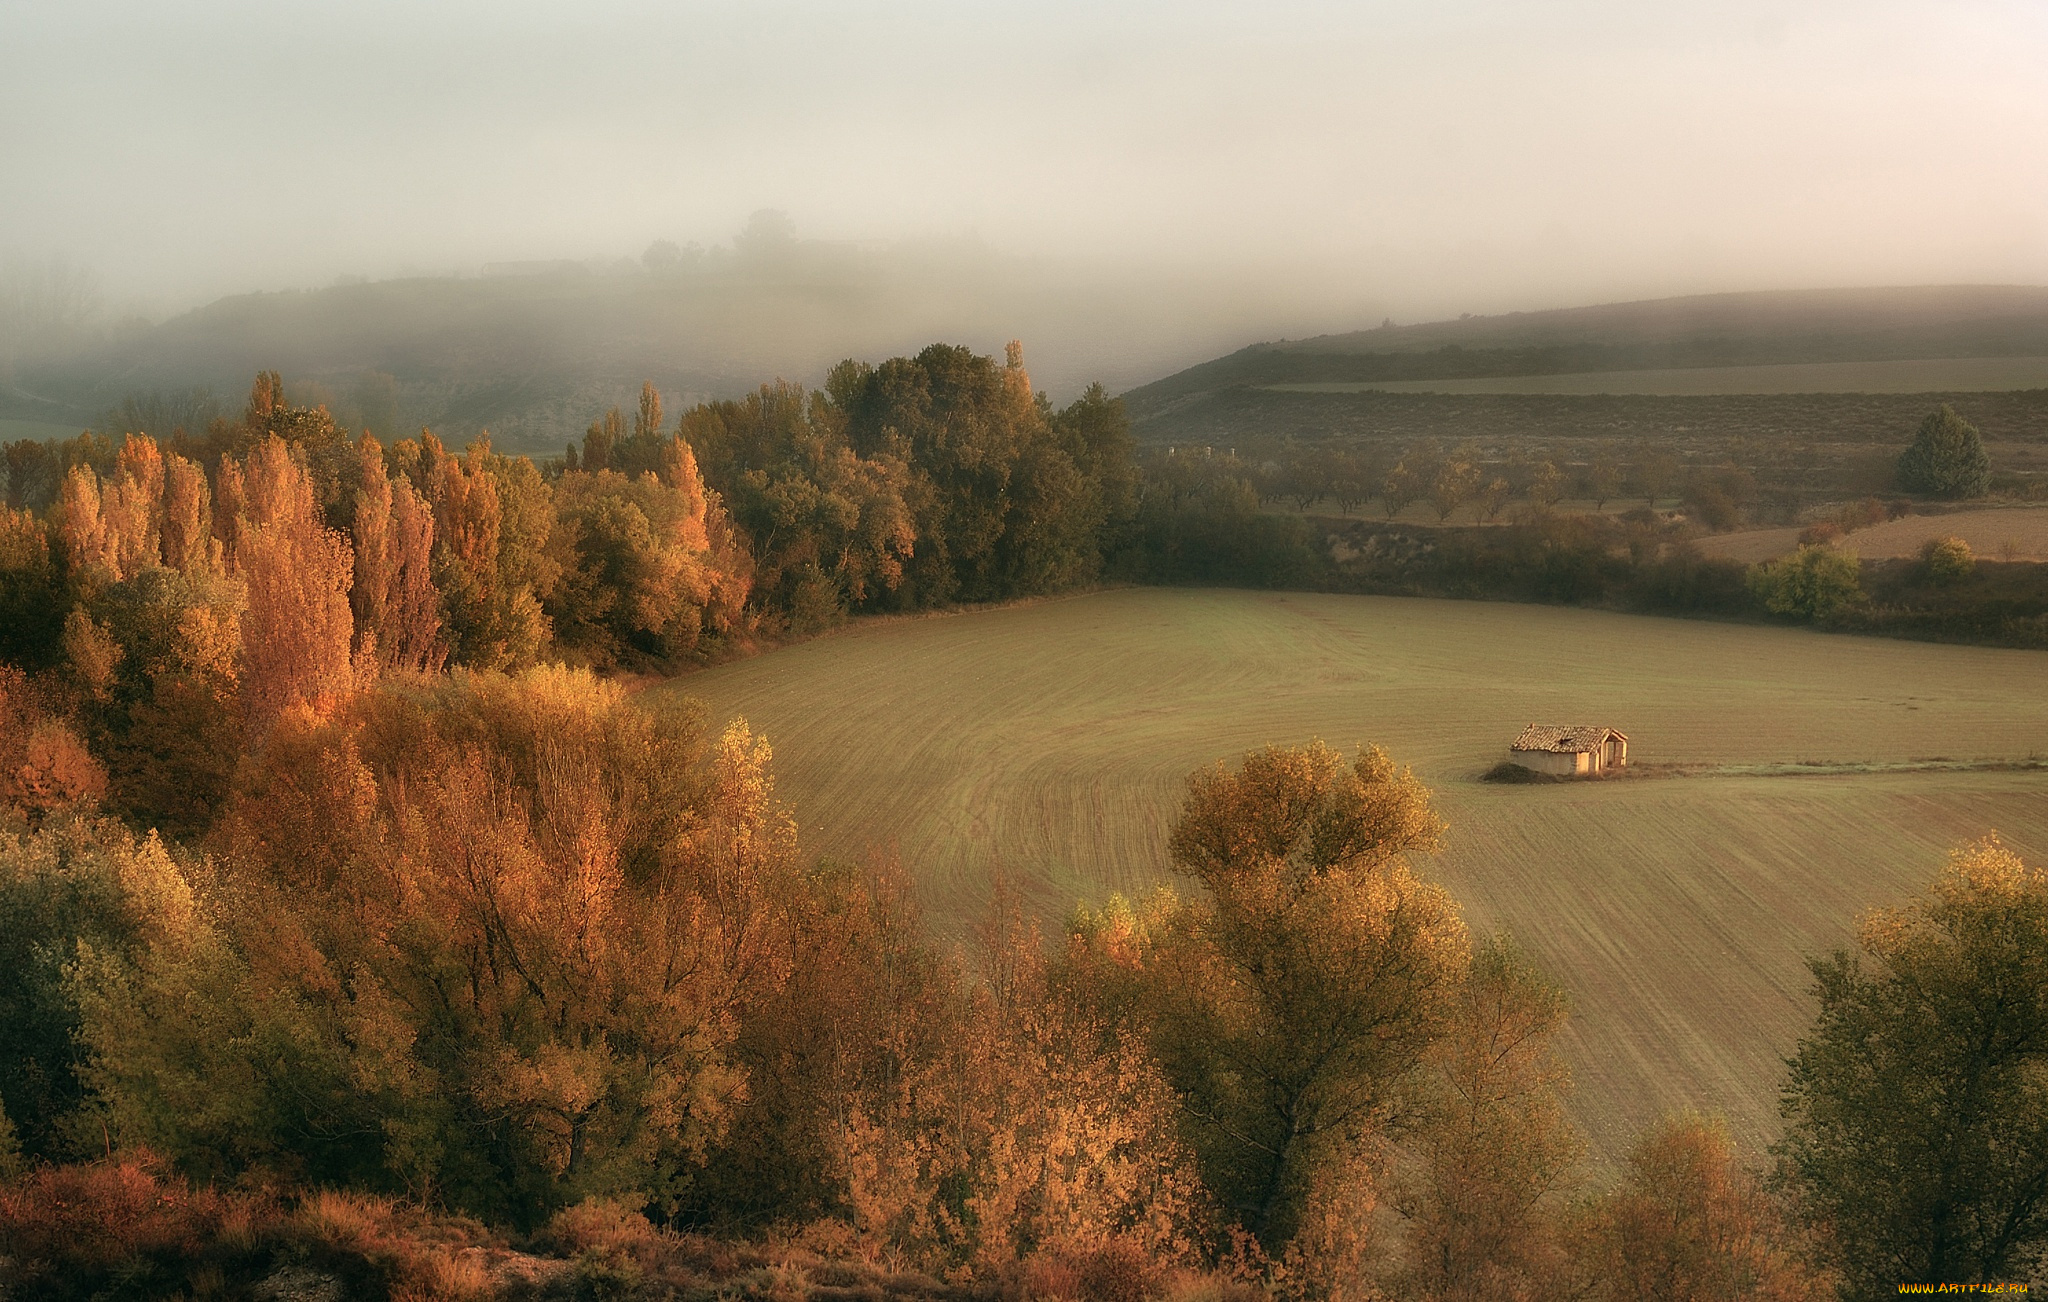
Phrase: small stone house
pixel 1572 752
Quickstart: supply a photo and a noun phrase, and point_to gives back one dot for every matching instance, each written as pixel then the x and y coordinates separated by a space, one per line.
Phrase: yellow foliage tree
pixel 1290 1003
pixel 1687 1225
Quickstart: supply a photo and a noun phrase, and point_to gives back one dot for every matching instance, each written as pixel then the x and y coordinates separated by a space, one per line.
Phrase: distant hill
pixel 1714 330
pixel 534 351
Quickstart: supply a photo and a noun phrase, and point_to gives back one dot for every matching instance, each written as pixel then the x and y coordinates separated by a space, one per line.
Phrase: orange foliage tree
pixel 297 634
pixel 656 563
pixel 397 608
pixel 478 938
pixel 1687 1225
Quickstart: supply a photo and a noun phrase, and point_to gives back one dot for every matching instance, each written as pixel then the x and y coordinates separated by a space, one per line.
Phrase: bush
pixel 1812 583
pixel 1947 458
pixel 1945 560
pixel 85 1231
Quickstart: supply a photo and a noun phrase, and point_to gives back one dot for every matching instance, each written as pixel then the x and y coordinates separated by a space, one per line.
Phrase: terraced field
pixel 1052 740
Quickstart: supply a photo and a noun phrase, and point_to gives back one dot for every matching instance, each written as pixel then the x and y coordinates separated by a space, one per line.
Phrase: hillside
pixel 1807 327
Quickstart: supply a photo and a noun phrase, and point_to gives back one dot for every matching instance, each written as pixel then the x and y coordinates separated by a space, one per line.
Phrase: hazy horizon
pixel 1352 160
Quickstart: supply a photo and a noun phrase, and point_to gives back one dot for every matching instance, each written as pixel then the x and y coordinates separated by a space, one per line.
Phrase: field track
pixel 1054 739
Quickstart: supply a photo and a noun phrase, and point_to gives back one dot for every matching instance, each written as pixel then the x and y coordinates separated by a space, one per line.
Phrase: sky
pixel 1422 158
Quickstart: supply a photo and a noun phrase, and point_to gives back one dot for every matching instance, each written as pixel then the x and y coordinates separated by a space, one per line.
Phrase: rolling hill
pixel 533 352
pixel 1812 329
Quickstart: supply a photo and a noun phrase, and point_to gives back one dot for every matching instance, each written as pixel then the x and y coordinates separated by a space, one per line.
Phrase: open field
pixel 1053 740
pixel 1987 532
pixel 1922 375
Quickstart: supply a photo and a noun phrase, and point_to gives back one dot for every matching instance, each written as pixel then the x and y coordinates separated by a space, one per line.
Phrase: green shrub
pixel 1812 583
pixel 1946 560
pixel 1947 458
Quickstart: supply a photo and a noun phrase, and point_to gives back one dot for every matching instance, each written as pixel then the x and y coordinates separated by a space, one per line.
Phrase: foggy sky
pixel 1421 158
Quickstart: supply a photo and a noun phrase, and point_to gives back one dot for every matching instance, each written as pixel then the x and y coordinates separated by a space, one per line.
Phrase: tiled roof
pixel 1565 739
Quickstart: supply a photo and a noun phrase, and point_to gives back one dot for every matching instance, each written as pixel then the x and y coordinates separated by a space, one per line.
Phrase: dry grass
pixel 1994 533
pixel 1053 740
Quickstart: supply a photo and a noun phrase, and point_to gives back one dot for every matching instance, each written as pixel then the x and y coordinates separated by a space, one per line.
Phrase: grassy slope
pixel 1776 327
pixel 2026 527
pixel 1683 424
pixel 1053 740
pixel 1943 375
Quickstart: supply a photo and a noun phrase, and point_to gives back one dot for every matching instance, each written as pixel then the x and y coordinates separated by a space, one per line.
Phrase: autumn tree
pixel 1687 1224
pixel 467 514
pixel 1001 504
pixel 45 767
pixel 1947 560
pixel 1398 488
pixel 297 634
pixel 321 446
pixel 1493 497
pixel 1455 482
pixel 1495 1149
pixel 164 650
pixel 1603 480
pixel 832 530
pixel 1350 480
pixel 397 608
pixel 656 568
pixel 150 648
pixel 476 938
pixel 1024 1126
pixel 1917 1110
pixel 1655 475
pixel 1546 485
pixel 33 600
pixel 84 884
pixel 1288 1000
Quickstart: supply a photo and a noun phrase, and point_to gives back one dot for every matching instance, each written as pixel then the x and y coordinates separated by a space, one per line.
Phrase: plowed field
pixel 1054 739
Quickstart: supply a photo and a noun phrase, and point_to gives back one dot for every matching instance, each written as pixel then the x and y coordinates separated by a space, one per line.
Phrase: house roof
pixel 1565 738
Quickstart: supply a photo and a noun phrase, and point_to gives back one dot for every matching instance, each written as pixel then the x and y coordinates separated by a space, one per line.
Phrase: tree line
pixel 167 601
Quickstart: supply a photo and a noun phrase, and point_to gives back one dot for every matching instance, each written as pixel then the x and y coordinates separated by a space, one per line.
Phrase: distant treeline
pixel 1201 521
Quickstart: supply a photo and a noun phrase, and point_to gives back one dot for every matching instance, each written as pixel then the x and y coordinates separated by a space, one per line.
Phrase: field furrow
pixel 1052 742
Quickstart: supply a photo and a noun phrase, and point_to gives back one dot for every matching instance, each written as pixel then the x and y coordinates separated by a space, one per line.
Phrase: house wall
pixel 1545 761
